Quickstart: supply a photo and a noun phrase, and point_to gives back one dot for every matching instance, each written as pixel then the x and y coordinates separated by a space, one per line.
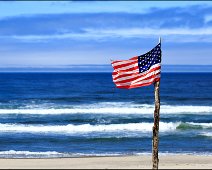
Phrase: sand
pixel 124 162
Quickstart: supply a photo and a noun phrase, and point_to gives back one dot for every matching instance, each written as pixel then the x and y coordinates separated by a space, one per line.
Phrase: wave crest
pixel 86 128
pixel 113 109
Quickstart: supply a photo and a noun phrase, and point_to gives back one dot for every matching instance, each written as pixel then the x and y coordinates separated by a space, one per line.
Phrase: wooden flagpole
pixel 155 128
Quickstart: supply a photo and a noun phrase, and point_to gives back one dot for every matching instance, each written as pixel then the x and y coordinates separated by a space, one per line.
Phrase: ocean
pixel 45 115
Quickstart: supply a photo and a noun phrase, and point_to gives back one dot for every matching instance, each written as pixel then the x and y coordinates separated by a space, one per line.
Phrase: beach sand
pixel 122 162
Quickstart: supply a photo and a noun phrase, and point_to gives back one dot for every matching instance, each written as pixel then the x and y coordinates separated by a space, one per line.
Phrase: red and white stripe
pixel 126 74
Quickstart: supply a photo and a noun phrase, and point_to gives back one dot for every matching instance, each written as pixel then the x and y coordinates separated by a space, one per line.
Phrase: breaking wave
pixel 113 109
pixel 207 134
pixel 191 125
pixel 86 128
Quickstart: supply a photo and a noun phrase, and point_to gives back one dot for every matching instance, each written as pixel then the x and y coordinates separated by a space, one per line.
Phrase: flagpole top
pixel 159 39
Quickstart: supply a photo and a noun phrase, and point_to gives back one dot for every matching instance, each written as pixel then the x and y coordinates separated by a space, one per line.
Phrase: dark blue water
pixel 75 114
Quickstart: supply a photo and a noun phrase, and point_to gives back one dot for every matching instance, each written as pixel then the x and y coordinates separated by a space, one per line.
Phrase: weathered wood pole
pixel 155 129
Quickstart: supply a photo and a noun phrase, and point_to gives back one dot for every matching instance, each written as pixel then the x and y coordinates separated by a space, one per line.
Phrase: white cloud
pixel 133 32
pixel 178 34
pixel 208 18
pixel 10 9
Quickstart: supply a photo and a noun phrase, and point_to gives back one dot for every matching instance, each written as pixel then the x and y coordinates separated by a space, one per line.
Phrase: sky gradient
pixel 65 33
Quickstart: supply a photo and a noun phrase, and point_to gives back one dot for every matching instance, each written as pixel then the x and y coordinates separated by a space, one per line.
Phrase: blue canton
pixel 149 59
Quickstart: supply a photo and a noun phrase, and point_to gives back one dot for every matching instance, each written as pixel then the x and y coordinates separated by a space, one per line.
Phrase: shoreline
pixel 70 156
pixel 60 155
pixel 109 162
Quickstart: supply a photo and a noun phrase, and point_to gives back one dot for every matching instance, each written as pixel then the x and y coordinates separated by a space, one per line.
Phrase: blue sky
pixel 63 33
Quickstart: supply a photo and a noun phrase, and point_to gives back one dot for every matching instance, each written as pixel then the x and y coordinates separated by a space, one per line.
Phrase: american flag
pixel 138 71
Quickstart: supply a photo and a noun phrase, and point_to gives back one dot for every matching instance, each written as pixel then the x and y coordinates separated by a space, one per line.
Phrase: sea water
pixel 83 114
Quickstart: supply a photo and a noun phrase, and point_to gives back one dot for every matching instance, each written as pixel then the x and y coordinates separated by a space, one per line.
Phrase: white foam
pixel 208 134
pixel 204 125
pixel 29 154
pixel 54 154
pixel 50 154
pixel 86 128
pixel 113 109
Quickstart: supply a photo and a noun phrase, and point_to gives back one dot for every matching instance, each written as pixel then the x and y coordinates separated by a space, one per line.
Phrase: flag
pixel 138 71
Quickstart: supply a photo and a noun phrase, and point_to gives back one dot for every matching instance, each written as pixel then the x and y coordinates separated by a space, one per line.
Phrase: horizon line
pixel 99 68
pixel 65 66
